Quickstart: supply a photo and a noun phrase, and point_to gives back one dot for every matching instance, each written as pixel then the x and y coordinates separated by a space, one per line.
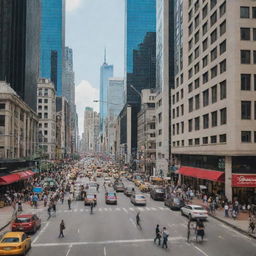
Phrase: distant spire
pixel 105 56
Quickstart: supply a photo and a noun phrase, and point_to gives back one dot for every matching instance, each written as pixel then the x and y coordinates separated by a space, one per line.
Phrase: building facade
pixel 147 132
pixel 52 41
pixel 18 126
pixel 213 103
pixel 46 110
pixel 19 47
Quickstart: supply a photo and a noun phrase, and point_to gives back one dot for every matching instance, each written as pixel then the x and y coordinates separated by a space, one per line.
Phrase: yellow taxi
pixel 137 182
pixel 144 187
pixel 15 243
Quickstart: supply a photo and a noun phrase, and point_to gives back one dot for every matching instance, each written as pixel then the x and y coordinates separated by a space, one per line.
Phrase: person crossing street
pixel 165 235
pixel 62 227
pixel 158 235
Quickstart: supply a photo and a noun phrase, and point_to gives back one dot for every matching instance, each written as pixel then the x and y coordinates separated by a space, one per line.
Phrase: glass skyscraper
pixel 52 41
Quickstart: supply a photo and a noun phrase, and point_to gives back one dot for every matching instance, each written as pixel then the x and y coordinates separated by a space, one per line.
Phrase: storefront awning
pixel 244 180
pixel 203 174
pixel 9 179
pixel 25 174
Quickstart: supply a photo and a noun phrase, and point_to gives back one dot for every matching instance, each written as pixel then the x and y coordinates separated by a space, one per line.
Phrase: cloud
pixel 72 5
pixel 85 95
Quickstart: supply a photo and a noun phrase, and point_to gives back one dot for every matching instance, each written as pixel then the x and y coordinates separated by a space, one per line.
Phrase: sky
pixel 92 26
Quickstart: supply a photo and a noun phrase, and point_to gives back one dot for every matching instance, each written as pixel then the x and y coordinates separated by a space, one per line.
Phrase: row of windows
pixel 40 107
pixel 246 82
pixel 45 115
pixel 42 92
pixel 246 13
pixel 246 110
pixel 246 136
pixel 247 57
pixel 40 100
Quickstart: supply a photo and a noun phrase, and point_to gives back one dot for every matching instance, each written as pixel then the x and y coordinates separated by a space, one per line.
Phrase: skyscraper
pixel 19 47
pixel 52 41
pixel 106 71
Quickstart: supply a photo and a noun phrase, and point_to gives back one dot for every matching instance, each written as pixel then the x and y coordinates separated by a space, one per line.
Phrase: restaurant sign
pixel 243 180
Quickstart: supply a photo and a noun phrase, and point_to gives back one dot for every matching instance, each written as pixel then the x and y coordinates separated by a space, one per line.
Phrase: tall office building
pixel 106 71
pixel 213 103
pixel 52 41
pixel 19 47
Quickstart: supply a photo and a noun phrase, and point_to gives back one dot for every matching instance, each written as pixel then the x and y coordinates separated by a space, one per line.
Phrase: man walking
pixel 158 235
pixel 69 203
pixel 165 237
pixel 62 227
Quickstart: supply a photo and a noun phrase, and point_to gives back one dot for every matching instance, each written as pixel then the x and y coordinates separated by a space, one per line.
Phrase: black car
pixel 128 191
pixel 174 202
pixel 119 187
pixel 157 194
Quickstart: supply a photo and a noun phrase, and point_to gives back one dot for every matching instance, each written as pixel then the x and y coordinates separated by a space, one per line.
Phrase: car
pixel 26 223
pixel 90 198
pixel 138 199
pixel 15 243
pixel 157 193
pixel 119 187
pixel 144 187
pixel 194 212
pixel 107 180
pixel 128 191
pixel 174 202
pixel 110 198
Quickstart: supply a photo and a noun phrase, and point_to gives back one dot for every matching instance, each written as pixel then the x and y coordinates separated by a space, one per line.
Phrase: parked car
pixel 119 187
pixel 174 202
pixel 157 193
pixel 138 199
pixel 128 191
pixel 15 243
pixel 26 223
pixel 110 198
pixel 194 212
pixel 90 198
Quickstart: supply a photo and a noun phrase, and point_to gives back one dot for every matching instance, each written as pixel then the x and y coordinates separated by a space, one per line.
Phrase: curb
pixel 14 213
pixel 233 226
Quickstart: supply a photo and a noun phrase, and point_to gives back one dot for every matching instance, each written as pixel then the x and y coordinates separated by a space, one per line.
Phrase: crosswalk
pixel 114 209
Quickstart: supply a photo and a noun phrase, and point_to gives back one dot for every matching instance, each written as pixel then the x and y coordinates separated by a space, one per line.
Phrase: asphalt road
pixel 111 230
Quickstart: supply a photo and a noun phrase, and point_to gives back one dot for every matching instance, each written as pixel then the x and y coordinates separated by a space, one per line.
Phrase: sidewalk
pixel 240 224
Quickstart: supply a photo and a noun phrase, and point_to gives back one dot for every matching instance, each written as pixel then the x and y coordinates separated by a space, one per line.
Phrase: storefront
pixel 244 187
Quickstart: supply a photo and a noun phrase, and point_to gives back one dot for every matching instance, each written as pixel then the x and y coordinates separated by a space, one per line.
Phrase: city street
pixel 111 230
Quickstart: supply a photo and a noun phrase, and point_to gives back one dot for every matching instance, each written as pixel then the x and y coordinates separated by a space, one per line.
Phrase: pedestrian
pixel 226 210
pixel 54 208
pixel 165 235
pixel 158 235
pixel 62 227
pixel 49 211
pixel 98 186
pixel 69 203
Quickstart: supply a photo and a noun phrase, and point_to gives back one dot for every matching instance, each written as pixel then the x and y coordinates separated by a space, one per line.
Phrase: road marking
pixel 75 210
pixel 110 209
pixel 81 210
pixel 200 250
pixel 78 231
pixel 152 208
pixel 125 210
pixel 161 208
pixel 105 242
pixel 140 209
pixel 69 250
pixel 100 210
pixel 106 209
pixel 221 237
pixel 105 252
pixel 41 231
pixel 131 209
pixel 118 209
pixel 148 209
pixel 66 210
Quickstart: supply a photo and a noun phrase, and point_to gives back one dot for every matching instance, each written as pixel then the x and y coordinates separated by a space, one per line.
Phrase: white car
pixel 138 199
pixel 194 212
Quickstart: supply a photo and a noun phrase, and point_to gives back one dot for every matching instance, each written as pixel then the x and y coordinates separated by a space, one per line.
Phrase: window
pixel 246 136
pixel 206 98
pixel 196 68
pixel 245 110
pixel 223 90
pixel 223 138
pixel 205 140
pixel 254 82
pixel 213 139
pixel 223 9
pixel 159 131
pixel 197 123
pixel 205 61
pixel 2 124
pixel 197 141
pixel 205 77
pixel 190 44
pixel 245 82
pixel 213 3
pixel 182 127
pixel 190 87
pixel 173 129
pixel 222 28
pixel 255 110
pixel 182 109
pixel 190 142
pixel 214 36
pixel 223 66
pixel 40 125
pixel 45 100
pixel 206 121
pixel 254 137
pixel 205 28
pixel 190 125
pixel 205 44
pixel 177 96
pixel 196 5
pixel 254 34
pixel 39 107
pixel 190 104
pixel 45 115
pixel 245 34
pixel 197 52
pixel 181 93
pixel 254 12
pixel 223 116
pixel 190 29
pixel 45 92
pixel 39 100
pixel 244 12
pixel 177 112
pixel 181 79
pixel 197 101
pixel 254 57
pixel 173 99
pixel 223 47
pixel 214 93
pixel 190 58
pixel 214 54
pixel 245 56
pixel 214 71
pixel 178 128
pixel 205 11
pixel 196 21
pixel 214 118
pixel 45 107
pixel 46 132
pixel 45 125
pixel 197 83
pixel 213 18
pixel 40 115
pixel 190 73
pixel 190 15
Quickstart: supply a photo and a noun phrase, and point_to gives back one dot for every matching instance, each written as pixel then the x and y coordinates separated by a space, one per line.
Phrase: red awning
pixel 203 174
pixel 25 174
pixel 9 179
